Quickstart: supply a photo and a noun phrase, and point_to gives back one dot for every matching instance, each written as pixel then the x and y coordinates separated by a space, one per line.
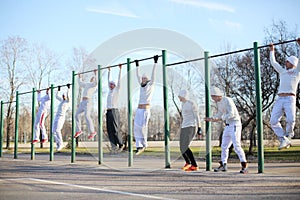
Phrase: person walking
pixel 286 101
pixel 228 113
pixel 59 119
pixel 39 124
pixel 113 115
pixel 142 114
pixel 86 105
pixel 190 124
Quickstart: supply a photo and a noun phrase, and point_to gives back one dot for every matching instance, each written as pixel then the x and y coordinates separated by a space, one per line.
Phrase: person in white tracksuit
pixel 59 120
pixel 142 114
pixel 39 124
pixel 286 101
pixel 85 106
pixel 228 112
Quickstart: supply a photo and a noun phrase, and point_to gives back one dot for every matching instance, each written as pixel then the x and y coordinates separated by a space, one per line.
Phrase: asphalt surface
pixel 37 179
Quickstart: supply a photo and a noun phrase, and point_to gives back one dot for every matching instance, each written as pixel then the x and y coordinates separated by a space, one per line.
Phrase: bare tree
pixel 13 51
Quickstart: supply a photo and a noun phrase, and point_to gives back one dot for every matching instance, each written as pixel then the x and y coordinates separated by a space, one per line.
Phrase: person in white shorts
pixel 39 124
pixel 228 113
pixel 142 114
pixel 86 105
pixel 286 101
pixel 59 119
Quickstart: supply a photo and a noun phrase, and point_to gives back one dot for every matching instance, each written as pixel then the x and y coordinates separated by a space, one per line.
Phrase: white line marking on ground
pixel 92 188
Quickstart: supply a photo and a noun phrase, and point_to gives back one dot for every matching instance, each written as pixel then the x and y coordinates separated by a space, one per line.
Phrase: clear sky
pixel 64 24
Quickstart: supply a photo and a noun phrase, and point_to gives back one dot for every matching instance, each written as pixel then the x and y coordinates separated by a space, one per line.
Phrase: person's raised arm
pixel 137 71
pixel 273 61
pixel 57 96
pixel 119 78
pixel 154 67
pixel 108 76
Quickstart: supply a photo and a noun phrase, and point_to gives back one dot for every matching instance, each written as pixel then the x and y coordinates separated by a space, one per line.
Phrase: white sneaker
pixel 285 143
pixel 58 149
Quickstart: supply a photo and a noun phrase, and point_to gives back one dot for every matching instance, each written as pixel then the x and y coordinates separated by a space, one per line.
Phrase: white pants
pixel 232 135
pixel 56 127
pixel 283 105
pixel 141 127
pixel 39 125
pixel 86 107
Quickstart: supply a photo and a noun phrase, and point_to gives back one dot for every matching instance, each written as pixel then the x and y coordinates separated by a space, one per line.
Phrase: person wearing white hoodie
pixel 86 105
pixel 39 124
pixel 60 116
pixel 228 113
pixel 286 101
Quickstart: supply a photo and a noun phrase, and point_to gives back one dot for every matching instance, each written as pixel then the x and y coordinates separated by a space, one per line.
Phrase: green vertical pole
pixel 1 128
pixel 259 122
pixel 51 122
pixel 32 121
pixel 73 118
pixel 130 139
pixel 166 111
pixel 16 126
pixel 207 112
pixel 100 121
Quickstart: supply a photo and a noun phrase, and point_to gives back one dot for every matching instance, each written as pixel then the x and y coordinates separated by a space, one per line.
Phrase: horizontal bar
pixel 7 102
pixel 117 65
pixel 228 53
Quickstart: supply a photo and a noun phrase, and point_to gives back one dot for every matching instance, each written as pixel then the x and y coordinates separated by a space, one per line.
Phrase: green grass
pixel 271 154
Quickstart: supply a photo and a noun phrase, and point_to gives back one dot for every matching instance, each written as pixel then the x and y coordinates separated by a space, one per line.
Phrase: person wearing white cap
pixel 190 124
pixel 39 124
pixel 59 119
pixel 228 113
pixel 286 101
pixel 86 105
pixel 113 115
pixel 142 114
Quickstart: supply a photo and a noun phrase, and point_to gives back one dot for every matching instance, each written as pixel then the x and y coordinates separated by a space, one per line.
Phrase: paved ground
pixel 24 179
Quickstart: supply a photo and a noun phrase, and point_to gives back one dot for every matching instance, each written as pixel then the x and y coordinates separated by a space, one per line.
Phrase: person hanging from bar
pixel 59 119
pixel 86 106
pixel 286 101
pixel 189 126
pixel 228 112
pixel 113 115
pixel 39 124
pixel 142 114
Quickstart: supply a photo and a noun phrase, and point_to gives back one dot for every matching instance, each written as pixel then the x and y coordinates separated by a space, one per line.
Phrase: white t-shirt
pixel 227 110
pixel 113 95
pixel 289 79
pixel 190 117
pixel 64 104
pixel 146 92
pixel 44 102
pixel 88 88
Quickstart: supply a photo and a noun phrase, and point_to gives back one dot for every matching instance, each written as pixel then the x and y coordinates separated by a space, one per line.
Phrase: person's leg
pixel 88 118
pixel 137 130
pixel 36 132
pixel 191 157
pixel 276 115
pixel 118 134
pixel 42 126
pixel 236 140
pixel 290 112
pixel 110 128
pixel 146 118
pixel 79 110
pixel 226 143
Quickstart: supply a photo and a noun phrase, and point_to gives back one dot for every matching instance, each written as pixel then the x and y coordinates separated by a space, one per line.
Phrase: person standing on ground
pixel 59 120
pixel 86 105
pixel 286 101
pixel 142 114
pixel 228 112
pixel 39 124
pixel 113 115
pixel 190 124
